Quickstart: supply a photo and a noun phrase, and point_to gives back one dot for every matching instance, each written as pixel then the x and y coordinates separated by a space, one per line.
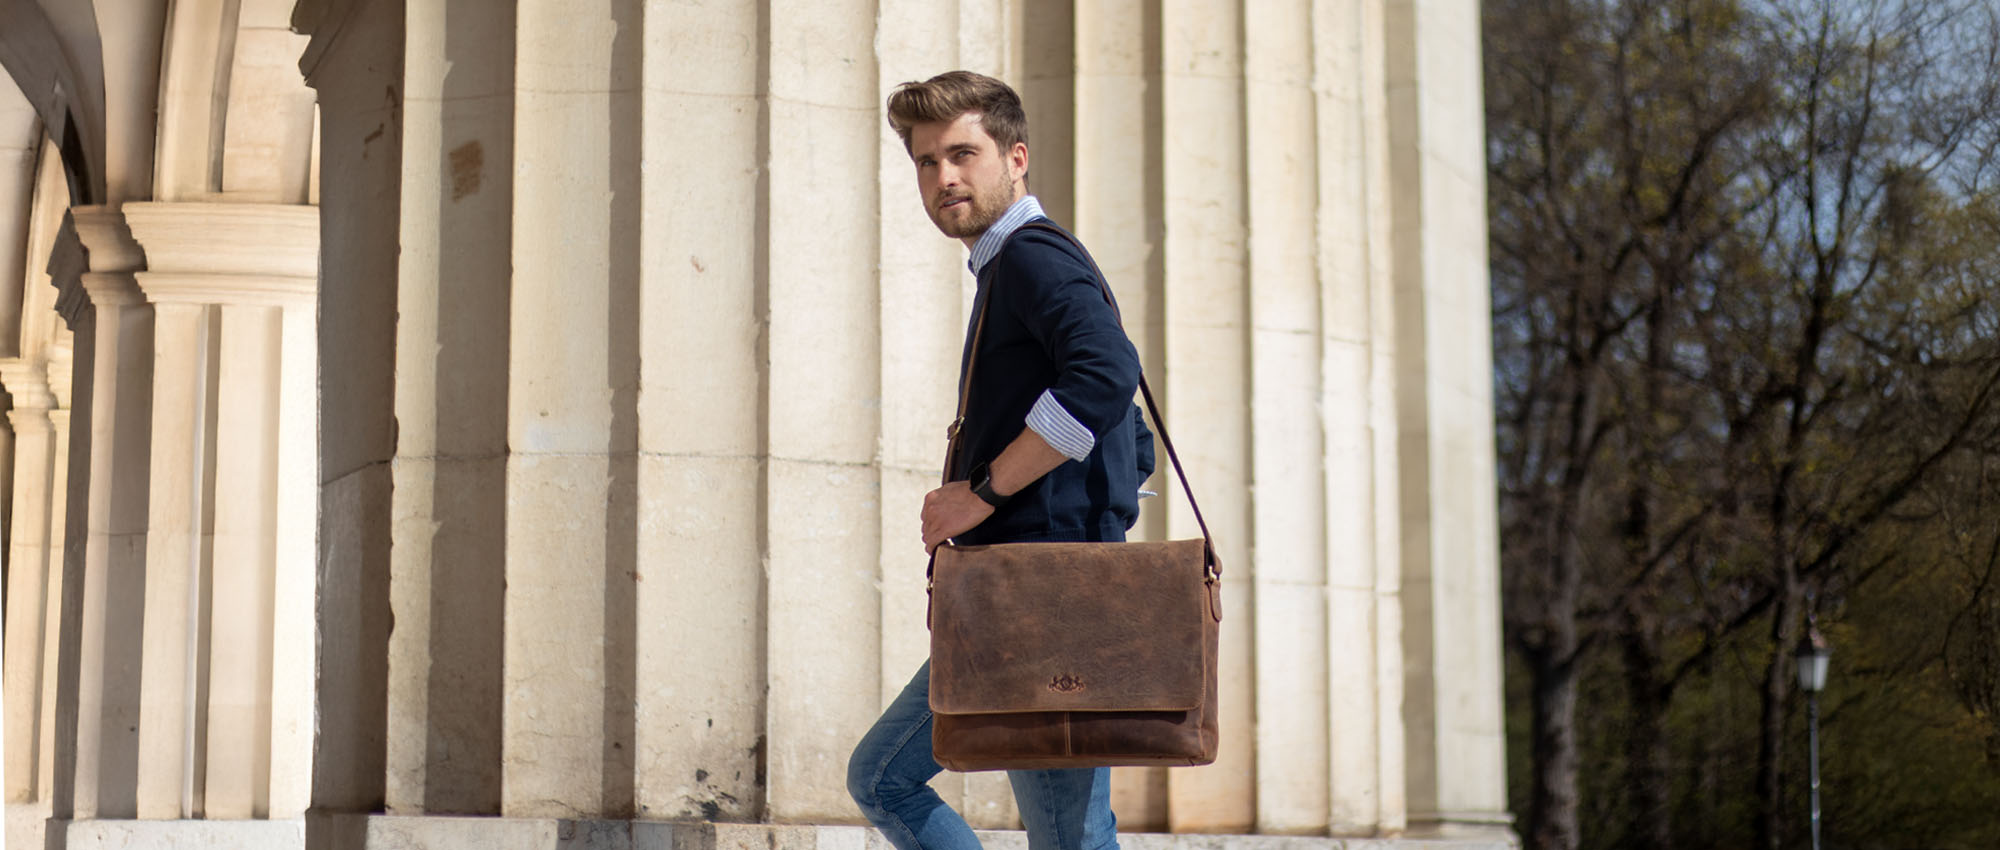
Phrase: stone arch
pixel 54 55
pixel 20 152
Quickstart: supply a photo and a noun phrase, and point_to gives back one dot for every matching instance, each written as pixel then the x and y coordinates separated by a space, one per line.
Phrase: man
pixel 1051 447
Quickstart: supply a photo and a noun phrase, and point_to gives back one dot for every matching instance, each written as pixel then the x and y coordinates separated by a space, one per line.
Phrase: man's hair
pixel 954 93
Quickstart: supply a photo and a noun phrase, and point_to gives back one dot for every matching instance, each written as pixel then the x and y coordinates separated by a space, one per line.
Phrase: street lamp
pixel 1812 656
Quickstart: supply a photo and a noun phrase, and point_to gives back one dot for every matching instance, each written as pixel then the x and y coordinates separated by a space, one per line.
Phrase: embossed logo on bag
pixel 1065 683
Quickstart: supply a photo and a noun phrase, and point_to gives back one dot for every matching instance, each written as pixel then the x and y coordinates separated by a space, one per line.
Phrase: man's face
pixel 966 181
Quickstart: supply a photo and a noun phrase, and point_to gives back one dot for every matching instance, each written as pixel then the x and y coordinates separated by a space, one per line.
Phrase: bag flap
pixel 1068 627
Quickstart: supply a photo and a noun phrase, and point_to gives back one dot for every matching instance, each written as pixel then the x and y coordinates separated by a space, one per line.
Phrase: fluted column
pixel 1357 396
pixel 294 585
pixel 59 531
pixel 113 501
pixel 63 540
pixel 447 573
pixel 243 571
pixel 40 418
pixel 1206 306
pixel 699 725
pixel 176 548
pixel 1256 238
pixel 1289 421
pixel 566 721
pixel 30 569
pixel 1450 599
pixel 822 542
pixel 228 590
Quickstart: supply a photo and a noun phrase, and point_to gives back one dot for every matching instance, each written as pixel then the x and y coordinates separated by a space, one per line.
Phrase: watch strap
pixel 982 486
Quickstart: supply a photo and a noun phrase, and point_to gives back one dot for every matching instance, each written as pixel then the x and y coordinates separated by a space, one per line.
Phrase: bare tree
pixel 1713 269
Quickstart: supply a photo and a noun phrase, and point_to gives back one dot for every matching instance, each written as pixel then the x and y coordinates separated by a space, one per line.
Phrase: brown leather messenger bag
pixel 1049 655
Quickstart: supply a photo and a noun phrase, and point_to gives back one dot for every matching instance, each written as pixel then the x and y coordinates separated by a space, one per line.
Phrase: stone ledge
pixel 394 832
pixel 25 822
pixel 178 834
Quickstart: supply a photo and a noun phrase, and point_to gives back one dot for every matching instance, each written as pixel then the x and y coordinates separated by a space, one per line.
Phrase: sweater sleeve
pixel 1057 299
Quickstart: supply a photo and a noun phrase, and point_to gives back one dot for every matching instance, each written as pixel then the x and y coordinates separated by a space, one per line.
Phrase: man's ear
pixel 1017 161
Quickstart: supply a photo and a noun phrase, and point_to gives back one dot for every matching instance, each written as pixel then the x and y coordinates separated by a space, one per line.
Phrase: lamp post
pixel 1812 656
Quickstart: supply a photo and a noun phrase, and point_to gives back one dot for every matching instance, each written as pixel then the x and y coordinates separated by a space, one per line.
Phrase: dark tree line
pixel 1746 264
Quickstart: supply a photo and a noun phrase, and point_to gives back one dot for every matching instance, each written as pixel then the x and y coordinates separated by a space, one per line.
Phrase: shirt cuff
pixel 1060 430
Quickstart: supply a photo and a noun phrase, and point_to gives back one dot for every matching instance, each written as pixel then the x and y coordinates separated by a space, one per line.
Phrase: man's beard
pixel 988 204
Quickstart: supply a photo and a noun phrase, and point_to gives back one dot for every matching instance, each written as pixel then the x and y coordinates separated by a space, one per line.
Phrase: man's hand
pixel 950 511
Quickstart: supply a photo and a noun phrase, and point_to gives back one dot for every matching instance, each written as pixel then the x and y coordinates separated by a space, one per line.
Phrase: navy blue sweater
pixel 1048 327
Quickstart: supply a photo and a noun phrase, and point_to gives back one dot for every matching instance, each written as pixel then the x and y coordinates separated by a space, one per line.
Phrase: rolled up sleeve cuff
pixel 1060 430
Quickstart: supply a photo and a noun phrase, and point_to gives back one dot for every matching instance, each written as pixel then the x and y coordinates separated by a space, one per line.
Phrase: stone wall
pixel 634 351
pixel 160 352
pixel 674 346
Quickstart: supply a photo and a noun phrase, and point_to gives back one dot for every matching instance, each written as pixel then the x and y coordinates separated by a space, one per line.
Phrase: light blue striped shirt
pixel 1047 418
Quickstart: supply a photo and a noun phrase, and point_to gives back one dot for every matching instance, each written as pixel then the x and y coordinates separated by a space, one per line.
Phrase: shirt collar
pixel 1023 211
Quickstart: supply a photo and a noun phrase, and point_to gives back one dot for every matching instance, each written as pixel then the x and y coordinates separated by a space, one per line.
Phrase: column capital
pixel 61 372
pixel 242 289
pixel 277 240
pixel 227 253
pixel 31 420
pixel 68 260
pixel 113 288
pixel 107 239
pixel 28 382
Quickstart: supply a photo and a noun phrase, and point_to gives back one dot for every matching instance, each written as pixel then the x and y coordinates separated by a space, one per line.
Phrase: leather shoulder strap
pixel 1152 408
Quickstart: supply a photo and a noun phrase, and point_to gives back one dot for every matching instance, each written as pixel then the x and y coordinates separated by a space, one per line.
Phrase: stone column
pixel 293 636
pixel 59 424
pixel 176 550
pixel 448 544
pixel 1357 396
pixel 1293 419
pixel 357 76
pixel 1451 607
pixel 824 613
pixel 566 723
pixel 232 286
pixel 31 567
pixel 102 606
pixel 63 538
pixel 120 427
pixel 242 577
pixel 1206 399
pixel 701 748
pixel 1391 808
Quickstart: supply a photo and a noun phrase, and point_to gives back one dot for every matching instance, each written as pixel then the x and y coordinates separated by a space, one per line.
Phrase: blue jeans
pixel 891 768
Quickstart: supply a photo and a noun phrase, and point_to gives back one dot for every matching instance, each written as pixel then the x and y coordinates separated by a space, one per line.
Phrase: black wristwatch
pixel 981 480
